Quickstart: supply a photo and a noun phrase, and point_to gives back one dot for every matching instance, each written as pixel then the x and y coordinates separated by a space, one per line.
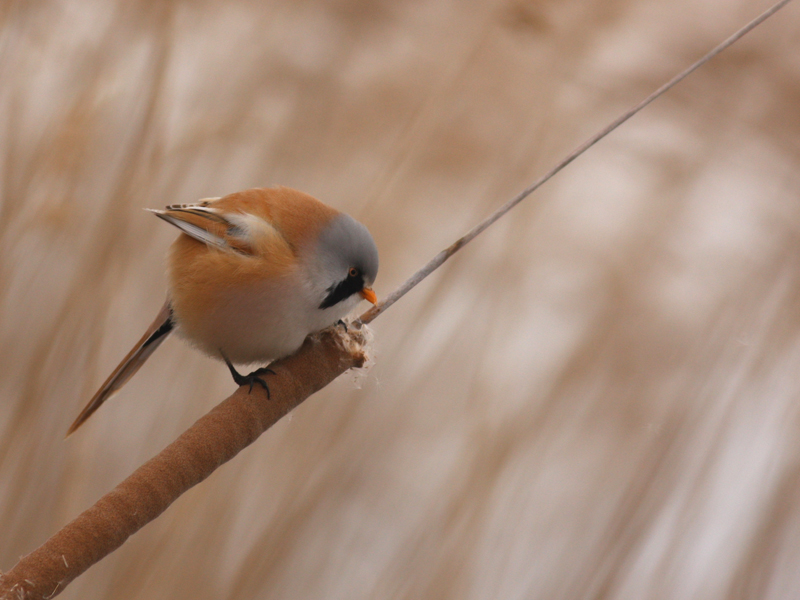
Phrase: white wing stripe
pixel 194 231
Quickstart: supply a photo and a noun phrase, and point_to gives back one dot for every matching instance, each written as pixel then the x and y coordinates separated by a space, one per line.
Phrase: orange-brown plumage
pixel 253 273
pixel 212 290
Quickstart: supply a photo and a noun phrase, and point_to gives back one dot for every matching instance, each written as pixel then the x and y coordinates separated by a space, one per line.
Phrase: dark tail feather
pixel 155 334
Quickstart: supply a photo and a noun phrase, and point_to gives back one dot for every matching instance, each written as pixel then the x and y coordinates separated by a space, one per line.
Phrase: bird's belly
pixel 255 324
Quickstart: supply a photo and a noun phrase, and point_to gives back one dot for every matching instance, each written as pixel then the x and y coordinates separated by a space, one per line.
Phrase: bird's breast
pixel 250 308
pixel 248 323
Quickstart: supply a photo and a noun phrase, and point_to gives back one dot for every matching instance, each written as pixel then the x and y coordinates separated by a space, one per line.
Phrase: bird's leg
pixel 248 379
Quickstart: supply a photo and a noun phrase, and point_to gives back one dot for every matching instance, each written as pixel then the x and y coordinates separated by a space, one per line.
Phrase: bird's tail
pixel 155 334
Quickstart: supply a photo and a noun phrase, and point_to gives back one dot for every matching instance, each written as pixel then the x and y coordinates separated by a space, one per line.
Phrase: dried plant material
pixel 358 338
pixel 597 398
pixel 212 441
pixel 239 420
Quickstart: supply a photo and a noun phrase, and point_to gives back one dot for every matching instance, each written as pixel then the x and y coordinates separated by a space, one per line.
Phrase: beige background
pixel 596 399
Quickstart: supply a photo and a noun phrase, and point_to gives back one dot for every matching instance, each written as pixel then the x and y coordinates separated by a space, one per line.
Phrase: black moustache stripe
pixel 342 291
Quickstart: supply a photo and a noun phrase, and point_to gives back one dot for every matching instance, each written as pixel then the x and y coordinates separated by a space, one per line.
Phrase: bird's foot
pixel 343 324
pixel 250 379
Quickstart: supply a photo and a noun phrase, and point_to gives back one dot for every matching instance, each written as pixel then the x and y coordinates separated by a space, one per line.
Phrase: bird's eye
pixel 353 272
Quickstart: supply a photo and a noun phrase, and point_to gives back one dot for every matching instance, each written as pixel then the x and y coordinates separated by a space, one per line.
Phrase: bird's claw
pixel 250 379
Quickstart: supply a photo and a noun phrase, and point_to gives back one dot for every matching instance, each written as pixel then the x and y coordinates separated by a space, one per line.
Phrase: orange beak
pixel 368 295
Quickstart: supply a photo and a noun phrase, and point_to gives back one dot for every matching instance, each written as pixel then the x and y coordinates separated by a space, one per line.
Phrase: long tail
pixel 155 334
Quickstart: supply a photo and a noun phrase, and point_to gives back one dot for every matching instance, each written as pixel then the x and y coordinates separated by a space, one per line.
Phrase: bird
pixel 249 277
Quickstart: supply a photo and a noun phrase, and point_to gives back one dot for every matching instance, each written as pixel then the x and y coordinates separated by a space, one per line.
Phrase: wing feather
pixel 208 225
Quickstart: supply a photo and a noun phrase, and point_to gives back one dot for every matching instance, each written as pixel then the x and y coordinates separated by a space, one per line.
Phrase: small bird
pixel 252 274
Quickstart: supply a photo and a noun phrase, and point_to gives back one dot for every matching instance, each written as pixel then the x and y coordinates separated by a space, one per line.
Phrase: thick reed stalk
pixel 213 440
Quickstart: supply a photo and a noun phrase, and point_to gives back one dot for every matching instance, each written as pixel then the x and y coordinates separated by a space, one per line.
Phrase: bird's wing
pixel 227 230
pixel 152 338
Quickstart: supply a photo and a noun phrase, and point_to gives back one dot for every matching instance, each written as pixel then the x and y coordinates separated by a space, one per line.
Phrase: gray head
pixel 347 260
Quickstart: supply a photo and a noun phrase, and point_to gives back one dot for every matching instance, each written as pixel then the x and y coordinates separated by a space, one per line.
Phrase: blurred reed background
pixel 596 399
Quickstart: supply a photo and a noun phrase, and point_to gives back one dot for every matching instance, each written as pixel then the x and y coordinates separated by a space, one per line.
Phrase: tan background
pixel 597 399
